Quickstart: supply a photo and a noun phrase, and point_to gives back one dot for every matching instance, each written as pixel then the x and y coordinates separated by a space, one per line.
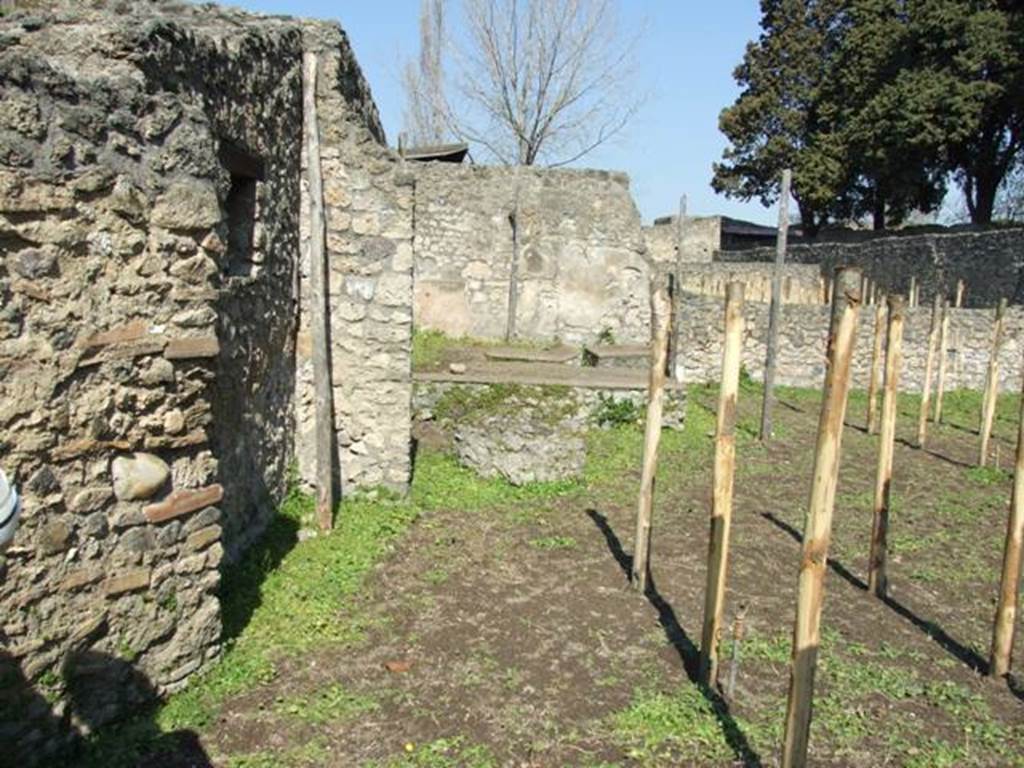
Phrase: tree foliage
pixel 875 104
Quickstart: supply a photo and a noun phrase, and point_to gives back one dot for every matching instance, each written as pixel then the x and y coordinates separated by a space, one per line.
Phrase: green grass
pixel 442 753
pixel 332 704
pixel 553 542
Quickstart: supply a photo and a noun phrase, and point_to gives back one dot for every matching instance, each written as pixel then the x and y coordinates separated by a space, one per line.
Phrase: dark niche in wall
pixel 246 169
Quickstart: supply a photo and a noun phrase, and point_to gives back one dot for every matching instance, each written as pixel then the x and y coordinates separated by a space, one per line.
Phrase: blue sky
pixel 686 59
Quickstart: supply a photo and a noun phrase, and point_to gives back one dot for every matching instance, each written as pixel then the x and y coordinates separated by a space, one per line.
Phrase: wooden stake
pixel 818 527
pixel 943 353
pixel 929 366
pixel 912 293
pixel 734 661
pixel 1009 583
pixel 725 466
pixel 675 369
pixel 876 364
pixel 660 309
pixel 988 411
pixel 959 293
pixel 324 405
pixel 775 310
pixel 877 565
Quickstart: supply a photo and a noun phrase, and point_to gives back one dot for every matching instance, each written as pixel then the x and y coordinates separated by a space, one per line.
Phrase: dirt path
pixel 507 635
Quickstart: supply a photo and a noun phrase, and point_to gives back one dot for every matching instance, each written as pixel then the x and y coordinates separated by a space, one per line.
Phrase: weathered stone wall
pixel 369 201
pixel 150 196
pixel 581 267
pixel 801 283
pixel 702 236
pixel 988 261
pixel 803 337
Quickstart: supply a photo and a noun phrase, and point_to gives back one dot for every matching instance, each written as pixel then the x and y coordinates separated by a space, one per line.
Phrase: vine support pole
pixel 775 309
pixel 988 409
pixel 929 370
pixel 876 365
pixel 818 526
pixel 940 388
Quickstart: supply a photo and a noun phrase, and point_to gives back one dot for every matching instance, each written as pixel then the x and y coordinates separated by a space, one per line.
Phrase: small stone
pixel 43 482
pixel 90 499
pixel 160 371
pixel 174 422
pixel 168 535
pixel 203 538
pixel 139 477
pixel 457 368
pixel 95 525
pixel 55 538
pixel 187 206
pixel 136 540
pixel 33 263
pixel 127 582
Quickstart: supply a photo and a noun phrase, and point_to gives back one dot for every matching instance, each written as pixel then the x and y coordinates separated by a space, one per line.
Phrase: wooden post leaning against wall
pixel 878 558
pixel 959 294
pixel 677 294
pixel 940 388
pixel 929 369
pixel 912 292
pixel 876 366
pixel 988 409
pixel 1009 584
pixel 660 309
pixel 724 471
pixel 775 309
pixel 323 397
pixel 818 525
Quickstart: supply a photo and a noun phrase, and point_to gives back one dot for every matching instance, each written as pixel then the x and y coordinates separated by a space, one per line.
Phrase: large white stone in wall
pixel 139 476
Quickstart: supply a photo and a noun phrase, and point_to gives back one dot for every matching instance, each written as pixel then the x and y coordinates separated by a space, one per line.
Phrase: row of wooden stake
pixel 846 301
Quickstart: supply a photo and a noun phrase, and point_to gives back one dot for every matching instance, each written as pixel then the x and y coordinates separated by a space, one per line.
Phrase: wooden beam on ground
pixel 940 389
pixel 324 406
pixel 1009 584
pixel 876 367
pixel 878 558
pixel 775 310
pixel 818 526
pixel 660 309
pixel 722 479
pixel 929 370
pixel 988 408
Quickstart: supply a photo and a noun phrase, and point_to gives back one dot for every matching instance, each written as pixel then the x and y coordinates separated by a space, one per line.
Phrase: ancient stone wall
pixel 580 271
pixel 803 337
pixel 702 237
pixel 988 261
pixel 150 196
pixel 368 198
pixel 801 283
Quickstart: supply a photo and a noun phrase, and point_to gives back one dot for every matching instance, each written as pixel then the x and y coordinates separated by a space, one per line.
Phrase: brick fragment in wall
pixel 130 581
pixel 182 502
pixel 180 349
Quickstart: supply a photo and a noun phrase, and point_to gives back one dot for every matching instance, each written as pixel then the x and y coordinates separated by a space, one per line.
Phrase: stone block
pixel 197 347
pixel 82 577
pixel 139 476
pixel 182 502
pixel 130 581
pixel 187 206
pixel 203 538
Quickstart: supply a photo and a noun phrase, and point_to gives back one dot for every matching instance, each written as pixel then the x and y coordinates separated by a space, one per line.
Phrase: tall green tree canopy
pixel 875 104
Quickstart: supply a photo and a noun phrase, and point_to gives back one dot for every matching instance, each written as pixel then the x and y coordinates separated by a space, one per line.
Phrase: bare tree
pixel 540 81
pixel 425 119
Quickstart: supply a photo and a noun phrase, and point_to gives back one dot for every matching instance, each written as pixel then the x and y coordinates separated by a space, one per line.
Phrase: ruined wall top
pixel 112 42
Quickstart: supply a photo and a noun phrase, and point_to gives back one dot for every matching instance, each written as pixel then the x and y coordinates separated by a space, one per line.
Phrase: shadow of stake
pixel 689 654
pixel 934 631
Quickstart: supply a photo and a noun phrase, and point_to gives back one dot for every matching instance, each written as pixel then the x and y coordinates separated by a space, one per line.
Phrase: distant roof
pixel 732 226
pixel 444 153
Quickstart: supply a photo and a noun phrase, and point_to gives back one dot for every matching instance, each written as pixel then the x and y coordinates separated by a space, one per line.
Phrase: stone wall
pixel 804 332
pixel 702 236
pixel 150 197
pixel 988 261
pixel 801 283
pixel 581 266
pixel 368 198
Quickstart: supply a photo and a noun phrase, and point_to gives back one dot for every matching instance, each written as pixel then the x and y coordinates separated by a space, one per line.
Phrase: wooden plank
pixel 775 310
pixel 876 366
pixel 877 566
pixel 988 409
pixel 324 407
pixel 660 310
pixel 929 370
pixel 1009 583
pixel 940 389
pixel 722 492
pixel 818 526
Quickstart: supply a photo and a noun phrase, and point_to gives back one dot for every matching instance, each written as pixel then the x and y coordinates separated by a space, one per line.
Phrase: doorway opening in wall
pixel 246 169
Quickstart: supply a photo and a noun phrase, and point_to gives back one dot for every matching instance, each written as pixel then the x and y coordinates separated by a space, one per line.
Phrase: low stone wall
pixel 801 283
pixel 702 236
pixel 580 269
pixel 803 336
pixel 988 261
